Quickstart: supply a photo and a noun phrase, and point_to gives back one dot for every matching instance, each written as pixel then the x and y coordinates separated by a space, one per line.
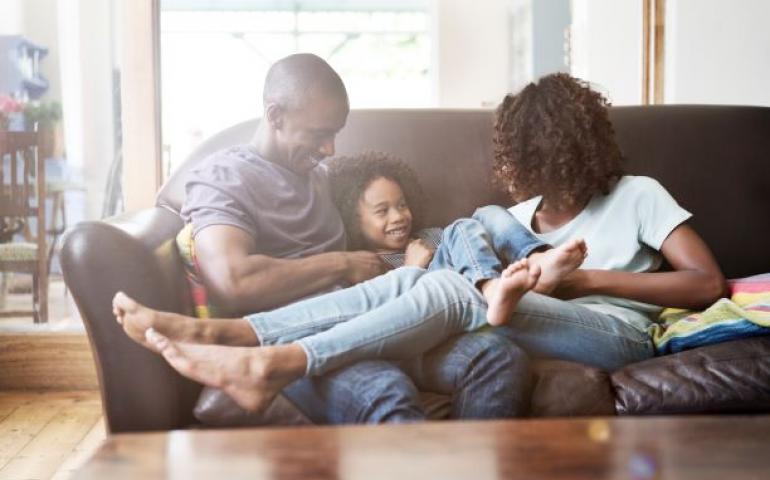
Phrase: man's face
pixel 305 135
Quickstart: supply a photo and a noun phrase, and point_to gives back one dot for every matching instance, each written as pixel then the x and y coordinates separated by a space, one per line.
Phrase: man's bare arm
pixel 696 281
pixel 244 282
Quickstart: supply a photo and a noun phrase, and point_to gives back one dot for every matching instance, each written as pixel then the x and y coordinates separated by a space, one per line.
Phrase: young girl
pixel 380 201
pixel 396 316
pixel 555 152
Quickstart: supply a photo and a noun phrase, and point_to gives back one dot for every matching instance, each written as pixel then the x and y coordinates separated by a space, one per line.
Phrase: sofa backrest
pixel 715 160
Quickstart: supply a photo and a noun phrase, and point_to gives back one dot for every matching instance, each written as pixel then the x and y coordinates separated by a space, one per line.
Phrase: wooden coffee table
pixel 718 447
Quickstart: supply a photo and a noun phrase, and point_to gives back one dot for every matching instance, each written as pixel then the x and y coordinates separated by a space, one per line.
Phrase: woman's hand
pixel 695 282
pixel 418 253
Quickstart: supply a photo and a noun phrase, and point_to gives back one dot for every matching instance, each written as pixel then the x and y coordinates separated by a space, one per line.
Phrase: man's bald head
pixel 295 79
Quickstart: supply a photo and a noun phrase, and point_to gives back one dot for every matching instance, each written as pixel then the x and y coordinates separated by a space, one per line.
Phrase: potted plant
pixel 9 108
pixel 45 116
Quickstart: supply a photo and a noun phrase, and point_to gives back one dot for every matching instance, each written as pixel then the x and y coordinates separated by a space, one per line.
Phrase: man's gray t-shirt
pixel 288 215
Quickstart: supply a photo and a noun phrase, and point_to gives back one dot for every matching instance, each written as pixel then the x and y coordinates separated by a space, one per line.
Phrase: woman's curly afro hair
pixel 350 177
pixel 554 138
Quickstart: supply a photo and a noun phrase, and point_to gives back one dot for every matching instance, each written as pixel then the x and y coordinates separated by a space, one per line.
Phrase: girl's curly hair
pixel 350 177
pixel 555 139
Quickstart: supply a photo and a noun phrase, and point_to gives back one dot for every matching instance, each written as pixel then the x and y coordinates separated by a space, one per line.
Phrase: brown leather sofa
pixel 714 159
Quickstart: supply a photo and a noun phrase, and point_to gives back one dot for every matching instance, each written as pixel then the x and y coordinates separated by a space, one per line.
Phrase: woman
pixel 556 154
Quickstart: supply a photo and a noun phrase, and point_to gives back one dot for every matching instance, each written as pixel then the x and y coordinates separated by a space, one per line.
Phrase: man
pixel 266 233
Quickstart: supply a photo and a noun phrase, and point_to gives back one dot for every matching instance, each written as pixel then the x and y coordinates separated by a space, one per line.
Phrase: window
pixel 215 54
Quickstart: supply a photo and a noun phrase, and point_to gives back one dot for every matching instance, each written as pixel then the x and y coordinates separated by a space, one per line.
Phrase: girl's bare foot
pixel 504 293
pixel 137 319
pixel 252 376
pixel 556 263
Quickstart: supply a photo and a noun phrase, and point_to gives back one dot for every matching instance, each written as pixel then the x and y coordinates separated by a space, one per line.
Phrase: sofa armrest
pixel 132 253
pixel 723 378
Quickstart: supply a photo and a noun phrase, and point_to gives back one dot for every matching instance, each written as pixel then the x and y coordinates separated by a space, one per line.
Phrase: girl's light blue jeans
pixel 479 248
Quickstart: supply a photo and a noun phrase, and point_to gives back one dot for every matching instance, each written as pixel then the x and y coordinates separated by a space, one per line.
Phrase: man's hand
pixel 363 265
pixel 242 281
pixel 418 253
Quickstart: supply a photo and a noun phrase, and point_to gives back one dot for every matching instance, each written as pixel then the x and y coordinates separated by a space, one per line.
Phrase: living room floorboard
pixel 48 435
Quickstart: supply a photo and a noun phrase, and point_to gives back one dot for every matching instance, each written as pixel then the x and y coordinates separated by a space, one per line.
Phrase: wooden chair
pixel 22 196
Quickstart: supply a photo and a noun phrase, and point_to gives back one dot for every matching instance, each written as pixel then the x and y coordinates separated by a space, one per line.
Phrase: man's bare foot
pixel 252 376
pixel 556 263
pixel 504 293
pixel 137 319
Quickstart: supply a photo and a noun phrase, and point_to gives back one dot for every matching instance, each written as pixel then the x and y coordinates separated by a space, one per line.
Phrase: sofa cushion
pixel 565 389
pixel 216 409
pixel 727 377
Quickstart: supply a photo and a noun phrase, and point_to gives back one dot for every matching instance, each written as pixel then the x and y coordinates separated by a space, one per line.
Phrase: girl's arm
pixel 695 282
pixel 418 253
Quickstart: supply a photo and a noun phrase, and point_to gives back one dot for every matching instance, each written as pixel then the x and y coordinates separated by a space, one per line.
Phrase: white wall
pixel 537 36
pixel 718 52
pixel 471 51
pixel 551 18
pixel 11 17
pixel 607 47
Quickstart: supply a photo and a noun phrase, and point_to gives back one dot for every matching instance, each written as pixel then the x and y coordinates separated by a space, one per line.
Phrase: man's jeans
pixel 484 377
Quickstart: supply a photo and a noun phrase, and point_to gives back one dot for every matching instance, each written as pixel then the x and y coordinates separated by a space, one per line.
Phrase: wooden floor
pixel 48 435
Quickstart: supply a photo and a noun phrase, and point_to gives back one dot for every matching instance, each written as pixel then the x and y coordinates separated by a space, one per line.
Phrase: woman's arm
pixel 695 282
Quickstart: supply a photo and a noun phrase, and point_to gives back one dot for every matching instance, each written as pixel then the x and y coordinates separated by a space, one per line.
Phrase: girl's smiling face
pixel 386 221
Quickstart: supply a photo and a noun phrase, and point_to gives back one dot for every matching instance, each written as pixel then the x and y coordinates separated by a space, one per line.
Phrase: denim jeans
pixel 548 327
pixel 485 375
pixel 479 248
pixel 395 316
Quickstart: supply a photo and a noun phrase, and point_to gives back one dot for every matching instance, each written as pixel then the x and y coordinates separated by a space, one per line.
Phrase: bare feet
pixel 556 263
pixel 137 319
pixel 504 293
pixel 251 376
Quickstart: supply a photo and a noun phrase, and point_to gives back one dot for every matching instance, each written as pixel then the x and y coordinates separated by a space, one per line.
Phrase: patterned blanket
pixel 745 314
